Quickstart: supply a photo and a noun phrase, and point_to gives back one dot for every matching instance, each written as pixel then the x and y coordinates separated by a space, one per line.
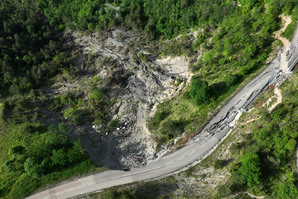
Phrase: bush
pixel 223 191
pixel 9 166
pixel 158 117
pixel 59 157
pixel 172 128
pixel 219 164
pixel 250 168
pixel 63 128
pixel 231 79
pixel 114 123
pixel 96 95
pixel 287 190
pixel 199 91
pixel 16 150
pixel 81 116
pixel 32 168
pixel 238 182
pixel 189 171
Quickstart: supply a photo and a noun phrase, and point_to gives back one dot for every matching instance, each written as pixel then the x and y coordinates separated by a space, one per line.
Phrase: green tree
pixel 63 128
pixel 96 95
pixel 76 152
pixel 199 90
pixel 14 89
pixel 16 150
pixel 32 168
pixel 287 190
pixel 9 165
pixel 250 168
pixel 230 80
pixel 59 157
pixel 208 56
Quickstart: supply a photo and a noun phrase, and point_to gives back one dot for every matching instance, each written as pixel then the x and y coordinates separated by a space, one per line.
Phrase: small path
pixel 287 20
pixel 252 196
pixel 278 95
pixel 286 43
pixel 249 121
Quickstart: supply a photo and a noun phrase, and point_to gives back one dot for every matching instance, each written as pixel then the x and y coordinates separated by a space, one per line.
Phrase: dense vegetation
pixel 33 155
pixel 30 48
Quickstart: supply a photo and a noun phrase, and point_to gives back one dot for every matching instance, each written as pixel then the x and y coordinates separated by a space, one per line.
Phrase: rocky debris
pixel 138 80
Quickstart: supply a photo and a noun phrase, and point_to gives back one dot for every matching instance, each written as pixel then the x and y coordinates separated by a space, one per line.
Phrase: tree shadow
pixel 156 189
pixel 218 89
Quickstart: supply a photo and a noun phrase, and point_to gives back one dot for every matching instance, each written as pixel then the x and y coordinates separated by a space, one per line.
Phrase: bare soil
pixel 144 84
pixel 286 43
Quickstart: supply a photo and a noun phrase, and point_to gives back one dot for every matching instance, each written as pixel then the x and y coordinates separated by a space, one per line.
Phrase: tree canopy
pixel 199 90
pixel 250 168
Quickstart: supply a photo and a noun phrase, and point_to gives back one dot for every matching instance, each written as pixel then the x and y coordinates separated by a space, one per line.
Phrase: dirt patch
pixel 286 21
pixel 249 121
pixel 278 96
pixel 286 43
pixel 249 194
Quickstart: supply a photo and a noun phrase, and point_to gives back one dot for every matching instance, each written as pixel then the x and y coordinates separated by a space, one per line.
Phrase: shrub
pixel 9 166
pixel 63 128
pixel 59 157
pixel 114 123
pixel 32 168
pixel 231 79
pixel 96 95
pixel 172 128
pixel 287 190
pixel 158 117
pixel 16 150
pixel 219 164
pixel 69 112
pixel 199 91
pixel 250 168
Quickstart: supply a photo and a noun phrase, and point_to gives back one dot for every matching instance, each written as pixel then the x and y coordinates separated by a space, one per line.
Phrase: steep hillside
pixel 87 86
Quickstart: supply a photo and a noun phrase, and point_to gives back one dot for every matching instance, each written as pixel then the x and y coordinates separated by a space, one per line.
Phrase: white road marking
pixel 180 158
pixel 169 163
pixel 156 168
pixel 114 178
pixel 146 170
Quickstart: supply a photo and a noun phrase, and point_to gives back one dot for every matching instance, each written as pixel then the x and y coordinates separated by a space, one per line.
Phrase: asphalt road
pixel 195 150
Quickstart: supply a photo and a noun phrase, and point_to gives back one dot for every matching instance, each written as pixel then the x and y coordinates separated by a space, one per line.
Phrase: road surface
pixel 197 149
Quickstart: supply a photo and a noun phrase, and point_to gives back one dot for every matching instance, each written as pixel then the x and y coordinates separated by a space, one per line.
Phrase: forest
pixel 234 39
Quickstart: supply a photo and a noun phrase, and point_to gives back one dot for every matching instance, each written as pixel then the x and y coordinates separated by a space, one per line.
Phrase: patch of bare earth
pixel 137 85
pixel 286 43
pixel 277 96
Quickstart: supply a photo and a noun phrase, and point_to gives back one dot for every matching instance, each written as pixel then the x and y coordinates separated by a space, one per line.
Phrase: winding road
pixel 194 151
